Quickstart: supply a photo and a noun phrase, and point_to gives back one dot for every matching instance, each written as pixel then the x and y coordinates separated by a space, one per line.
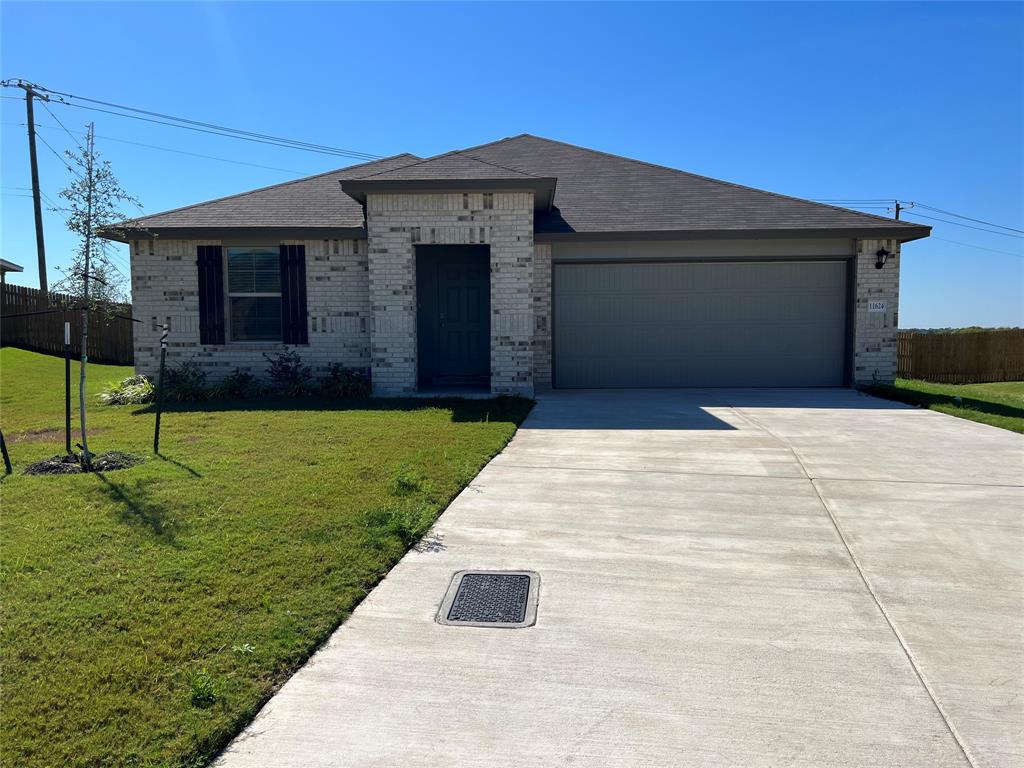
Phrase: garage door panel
pixel 699 324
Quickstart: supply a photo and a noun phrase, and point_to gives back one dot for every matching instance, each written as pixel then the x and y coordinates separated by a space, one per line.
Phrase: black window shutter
pixel 294 324
pixel 209 260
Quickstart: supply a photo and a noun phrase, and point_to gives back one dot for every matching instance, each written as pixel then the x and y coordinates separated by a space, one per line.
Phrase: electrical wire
pixel 968 218
pixel 77 144
pixel 190 154
pixel 978 247
pixel 63 160
pixel 238 131
pixel 231 133
pixel 967 226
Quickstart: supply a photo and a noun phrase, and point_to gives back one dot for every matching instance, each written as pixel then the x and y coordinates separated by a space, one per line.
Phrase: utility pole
pixel 31 94
pixel 898 209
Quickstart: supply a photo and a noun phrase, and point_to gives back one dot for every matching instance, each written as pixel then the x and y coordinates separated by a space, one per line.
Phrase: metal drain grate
pixel 491 599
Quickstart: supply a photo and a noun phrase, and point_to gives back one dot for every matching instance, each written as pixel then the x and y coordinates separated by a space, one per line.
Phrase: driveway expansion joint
pixel 867 585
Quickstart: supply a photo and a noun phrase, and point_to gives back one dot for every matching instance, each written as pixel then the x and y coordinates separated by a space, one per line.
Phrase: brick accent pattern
pixel 875 333
pixel 542 317
pixel 164 289
pixel 398 222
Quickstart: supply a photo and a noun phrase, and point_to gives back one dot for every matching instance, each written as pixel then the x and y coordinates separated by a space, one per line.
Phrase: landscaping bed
pixel 149 612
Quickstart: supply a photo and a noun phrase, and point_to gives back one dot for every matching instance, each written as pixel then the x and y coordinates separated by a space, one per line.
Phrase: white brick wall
pixel 165 289
pixel 395 224
pixel 874 346
pixel 364 315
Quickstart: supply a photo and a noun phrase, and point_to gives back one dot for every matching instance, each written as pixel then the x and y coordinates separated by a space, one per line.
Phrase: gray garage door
pixel 699 324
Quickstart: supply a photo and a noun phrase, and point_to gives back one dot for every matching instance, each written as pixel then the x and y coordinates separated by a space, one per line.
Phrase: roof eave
pixel 903 234
pixel 127 234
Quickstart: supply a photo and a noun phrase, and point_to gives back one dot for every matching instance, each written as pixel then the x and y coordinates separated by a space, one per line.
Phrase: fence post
pixel 67 385
pixel 160 389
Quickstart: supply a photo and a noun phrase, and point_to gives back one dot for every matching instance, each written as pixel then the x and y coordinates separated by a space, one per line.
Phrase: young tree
pixel 94 282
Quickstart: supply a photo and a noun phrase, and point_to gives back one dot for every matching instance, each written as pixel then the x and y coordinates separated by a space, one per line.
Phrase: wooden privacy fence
pixel 110 338
pixel 962 358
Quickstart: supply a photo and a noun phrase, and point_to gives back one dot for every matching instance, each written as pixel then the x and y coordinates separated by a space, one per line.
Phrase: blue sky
pixel 918 101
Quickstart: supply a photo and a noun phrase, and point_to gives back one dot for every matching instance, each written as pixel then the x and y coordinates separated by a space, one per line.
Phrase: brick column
pixel 396 223
pixel 874 346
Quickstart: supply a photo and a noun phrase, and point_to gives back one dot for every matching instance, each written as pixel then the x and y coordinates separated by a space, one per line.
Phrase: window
pixel 254 293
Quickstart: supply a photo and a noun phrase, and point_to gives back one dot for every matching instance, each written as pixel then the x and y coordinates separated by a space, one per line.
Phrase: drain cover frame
pixel 471 590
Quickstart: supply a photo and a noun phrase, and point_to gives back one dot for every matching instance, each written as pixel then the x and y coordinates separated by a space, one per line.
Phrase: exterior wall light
pixel 881 256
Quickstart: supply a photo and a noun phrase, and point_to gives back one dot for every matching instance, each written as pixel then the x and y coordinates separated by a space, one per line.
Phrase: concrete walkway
pixel 728 578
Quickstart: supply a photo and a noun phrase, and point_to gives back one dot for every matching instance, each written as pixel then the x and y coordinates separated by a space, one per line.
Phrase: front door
pixel 453 315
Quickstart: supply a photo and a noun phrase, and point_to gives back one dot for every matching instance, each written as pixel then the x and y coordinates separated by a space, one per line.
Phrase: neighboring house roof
pixel 598 195
pixel 10 266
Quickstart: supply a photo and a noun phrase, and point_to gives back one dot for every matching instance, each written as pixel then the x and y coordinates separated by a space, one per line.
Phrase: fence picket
pixel 110 338
pixel 961 358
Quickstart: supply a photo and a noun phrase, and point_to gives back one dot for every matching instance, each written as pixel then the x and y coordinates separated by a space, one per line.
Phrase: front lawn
pixel 148 613
pixel 1000 404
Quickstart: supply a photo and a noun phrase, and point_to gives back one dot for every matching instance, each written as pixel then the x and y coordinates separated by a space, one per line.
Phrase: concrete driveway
pixel 728 578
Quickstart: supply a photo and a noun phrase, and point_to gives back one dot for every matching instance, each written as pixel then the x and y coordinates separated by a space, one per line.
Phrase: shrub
pixel 345 382
pixel 237 386
pixel 185 382
pixel 135 390
pixel 288 373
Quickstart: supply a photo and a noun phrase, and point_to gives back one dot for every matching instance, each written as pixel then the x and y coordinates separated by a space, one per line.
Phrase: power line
pixel 240 132
pixel 967 226
pixel 968 218
pixel 979 247
pixel 47 108
pixel 63 160
pixel 192 154
pixel 160 118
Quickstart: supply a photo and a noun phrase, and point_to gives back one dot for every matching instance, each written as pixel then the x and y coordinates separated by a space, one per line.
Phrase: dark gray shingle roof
pixel 313 201
pixel 596 193
pixel 447 167
pixel 599 192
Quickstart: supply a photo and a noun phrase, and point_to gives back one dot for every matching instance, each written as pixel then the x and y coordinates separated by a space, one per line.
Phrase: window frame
pixel 229 294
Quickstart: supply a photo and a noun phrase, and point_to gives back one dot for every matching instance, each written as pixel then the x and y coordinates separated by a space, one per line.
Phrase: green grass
pixel 1000 404
pixel 148 613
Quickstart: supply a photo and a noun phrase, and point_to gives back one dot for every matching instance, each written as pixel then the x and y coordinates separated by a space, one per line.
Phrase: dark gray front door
pixel 453 315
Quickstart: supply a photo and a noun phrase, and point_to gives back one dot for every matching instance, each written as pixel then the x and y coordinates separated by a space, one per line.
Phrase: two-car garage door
pixel 699 324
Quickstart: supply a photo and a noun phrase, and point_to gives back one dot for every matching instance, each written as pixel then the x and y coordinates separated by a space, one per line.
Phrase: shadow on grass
pixel 501 408
pixel 928 399
pixel 136 507
pixel 179 464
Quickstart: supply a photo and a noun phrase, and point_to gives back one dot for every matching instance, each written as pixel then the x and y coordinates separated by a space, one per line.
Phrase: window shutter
pixel 210 262
pixel 294 323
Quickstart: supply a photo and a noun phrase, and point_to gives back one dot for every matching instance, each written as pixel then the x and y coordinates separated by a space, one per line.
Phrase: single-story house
pixel 521 265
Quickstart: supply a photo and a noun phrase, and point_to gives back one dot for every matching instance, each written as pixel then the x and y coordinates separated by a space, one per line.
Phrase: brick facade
pixel 396 223
pixel 875 333
pixel 165 290
pixel 361 296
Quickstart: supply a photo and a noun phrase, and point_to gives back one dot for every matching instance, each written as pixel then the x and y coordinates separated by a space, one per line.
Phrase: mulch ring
pixel 72 465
